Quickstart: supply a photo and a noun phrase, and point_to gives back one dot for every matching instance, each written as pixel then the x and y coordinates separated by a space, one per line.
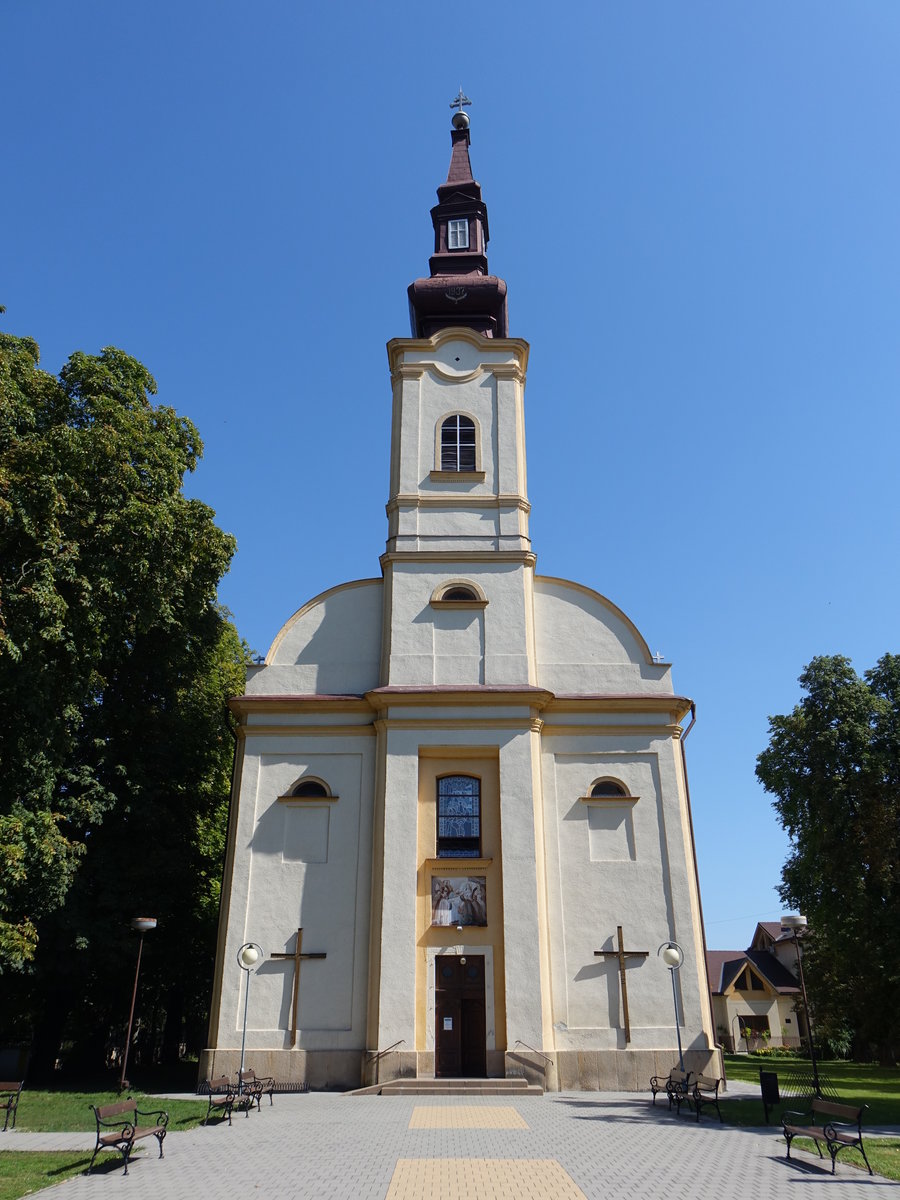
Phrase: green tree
pixel 115 659
pixel 833 765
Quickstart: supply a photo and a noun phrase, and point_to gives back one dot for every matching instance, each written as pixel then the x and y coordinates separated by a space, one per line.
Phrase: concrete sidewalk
pixel 568 1146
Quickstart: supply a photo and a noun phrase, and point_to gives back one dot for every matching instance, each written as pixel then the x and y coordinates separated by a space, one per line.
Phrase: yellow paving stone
pixel 481 1179
pixel 466 1117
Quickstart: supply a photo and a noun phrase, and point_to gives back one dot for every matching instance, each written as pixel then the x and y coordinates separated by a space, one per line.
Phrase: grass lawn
pixel 61 1111
pixel 24 1171
pixel 855 1083
pixel 883 1153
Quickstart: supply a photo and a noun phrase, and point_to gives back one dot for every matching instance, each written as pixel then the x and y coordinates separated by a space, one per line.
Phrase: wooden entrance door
pixel 459 1035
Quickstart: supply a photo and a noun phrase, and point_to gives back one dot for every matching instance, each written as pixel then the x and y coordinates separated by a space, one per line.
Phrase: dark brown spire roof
pixel 459 290
pixel 460 170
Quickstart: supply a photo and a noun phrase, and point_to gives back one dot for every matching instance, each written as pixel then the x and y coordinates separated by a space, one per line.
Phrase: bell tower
pixel 458 506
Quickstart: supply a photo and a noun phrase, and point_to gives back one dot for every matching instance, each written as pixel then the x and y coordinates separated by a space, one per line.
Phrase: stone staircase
pixel 513 1087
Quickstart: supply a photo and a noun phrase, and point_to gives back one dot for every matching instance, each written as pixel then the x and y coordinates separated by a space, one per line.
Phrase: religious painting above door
pixel 459 900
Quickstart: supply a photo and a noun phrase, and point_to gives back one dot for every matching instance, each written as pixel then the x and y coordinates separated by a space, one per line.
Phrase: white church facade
pixel 460 787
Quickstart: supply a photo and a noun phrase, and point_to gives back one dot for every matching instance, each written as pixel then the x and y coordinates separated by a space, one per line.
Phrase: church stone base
pixel 626 1070
pixel 323 1070
pixel 567 1070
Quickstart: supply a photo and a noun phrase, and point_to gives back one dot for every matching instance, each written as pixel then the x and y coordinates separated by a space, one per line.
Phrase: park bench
pixel 837 1125
pixel 224 1097
pixel 255 1085
pixel 120 1121
pixel 675 1085
pixel 9 1101
pixel 705 1090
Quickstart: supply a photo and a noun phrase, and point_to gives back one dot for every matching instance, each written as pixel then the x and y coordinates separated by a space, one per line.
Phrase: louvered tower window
pixel 458 444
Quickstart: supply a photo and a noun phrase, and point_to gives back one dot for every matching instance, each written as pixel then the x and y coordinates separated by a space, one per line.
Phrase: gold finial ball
pixel 460 120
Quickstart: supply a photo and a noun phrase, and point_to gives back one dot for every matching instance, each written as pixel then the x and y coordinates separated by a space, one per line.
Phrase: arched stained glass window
pixel 458 444
pixel 459 817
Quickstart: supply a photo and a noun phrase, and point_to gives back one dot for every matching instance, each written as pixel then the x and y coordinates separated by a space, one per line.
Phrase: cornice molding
pixel 286 703
pixel 247 731
pixel 507 371
pixel 460 697
pixel 644 731
pixel 608 799
pixel 306 799
pixel 651 702
pixel 406 370
pixel 525 558
pixel 442 864
pixel 520 724
pixel 454 500
pixel 517 348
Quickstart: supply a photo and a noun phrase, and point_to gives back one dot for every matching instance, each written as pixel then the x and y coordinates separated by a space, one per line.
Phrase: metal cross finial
pixel 461 100
pixel 658 657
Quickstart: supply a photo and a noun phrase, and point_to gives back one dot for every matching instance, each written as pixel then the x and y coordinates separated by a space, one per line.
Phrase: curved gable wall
pixel 330 646
pixel 585 644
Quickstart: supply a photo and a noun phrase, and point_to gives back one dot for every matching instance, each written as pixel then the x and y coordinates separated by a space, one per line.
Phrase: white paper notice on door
pixel 448 1022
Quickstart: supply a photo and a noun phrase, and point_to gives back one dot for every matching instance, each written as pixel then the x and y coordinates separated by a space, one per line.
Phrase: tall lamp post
pixel 796 926
pixel 673 957
pixel 247 957
pixel 141 925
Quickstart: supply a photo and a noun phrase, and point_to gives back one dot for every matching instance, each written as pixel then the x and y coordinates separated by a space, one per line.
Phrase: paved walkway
pixel 564 1146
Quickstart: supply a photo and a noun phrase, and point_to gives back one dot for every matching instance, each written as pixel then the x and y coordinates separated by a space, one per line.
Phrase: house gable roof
pixel 724 967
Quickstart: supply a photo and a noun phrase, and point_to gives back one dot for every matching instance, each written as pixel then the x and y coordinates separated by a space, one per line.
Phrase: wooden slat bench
pixel 225 1098
pixel 675 1085
pixel 837 1125
pixel 118 1128
pixel 9 1101
pixel 705 1090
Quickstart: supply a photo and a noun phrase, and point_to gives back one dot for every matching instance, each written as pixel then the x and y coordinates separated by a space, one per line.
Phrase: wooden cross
pixel 295 955
pixel 621 954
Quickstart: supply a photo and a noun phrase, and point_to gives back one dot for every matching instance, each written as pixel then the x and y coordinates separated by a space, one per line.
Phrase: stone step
pixel 450 1087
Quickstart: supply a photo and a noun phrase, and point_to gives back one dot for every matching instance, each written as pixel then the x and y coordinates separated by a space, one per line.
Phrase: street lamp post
pixel 247 957
pixel 673 957
pixel 141 925
pixel 797 925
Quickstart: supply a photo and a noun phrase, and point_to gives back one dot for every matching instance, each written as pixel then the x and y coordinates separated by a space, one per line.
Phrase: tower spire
pixel 460 290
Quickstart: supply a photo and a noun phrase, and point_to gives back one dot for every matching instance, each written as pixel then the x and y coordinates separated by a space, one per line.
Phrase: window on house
pixel 458 444
pixel 310 788
pixel 458 234
pixel 755 1026
pixel 608 787
pixel 459 817
pixel 756 984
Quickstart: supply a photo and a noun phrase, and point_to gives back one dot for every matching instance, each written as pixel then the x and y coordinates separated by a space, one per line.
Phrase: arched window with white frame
pixel 458 444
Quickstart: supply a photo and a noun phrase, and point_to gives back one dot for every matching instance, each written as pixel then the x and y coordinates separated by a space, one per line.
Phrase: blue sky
pixel 695 208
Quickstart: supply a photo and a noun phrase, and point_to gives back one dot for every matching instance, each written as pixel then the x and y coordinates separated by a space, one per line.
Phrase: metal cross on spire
pixel 461 100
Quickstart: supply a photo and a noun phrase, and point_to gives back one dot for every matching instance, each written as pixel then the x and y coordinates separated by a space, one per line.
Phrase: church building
pixel 460 831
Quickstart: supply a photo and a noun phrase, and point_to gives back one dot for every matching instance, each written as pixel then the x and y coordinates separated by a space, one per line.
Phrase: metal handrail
pixel 519 1042
pixel 376 1054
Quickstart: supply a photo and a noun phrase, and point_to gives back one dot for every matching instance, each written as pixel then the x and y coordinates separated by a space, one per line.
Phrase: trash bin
pixel 768 1083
